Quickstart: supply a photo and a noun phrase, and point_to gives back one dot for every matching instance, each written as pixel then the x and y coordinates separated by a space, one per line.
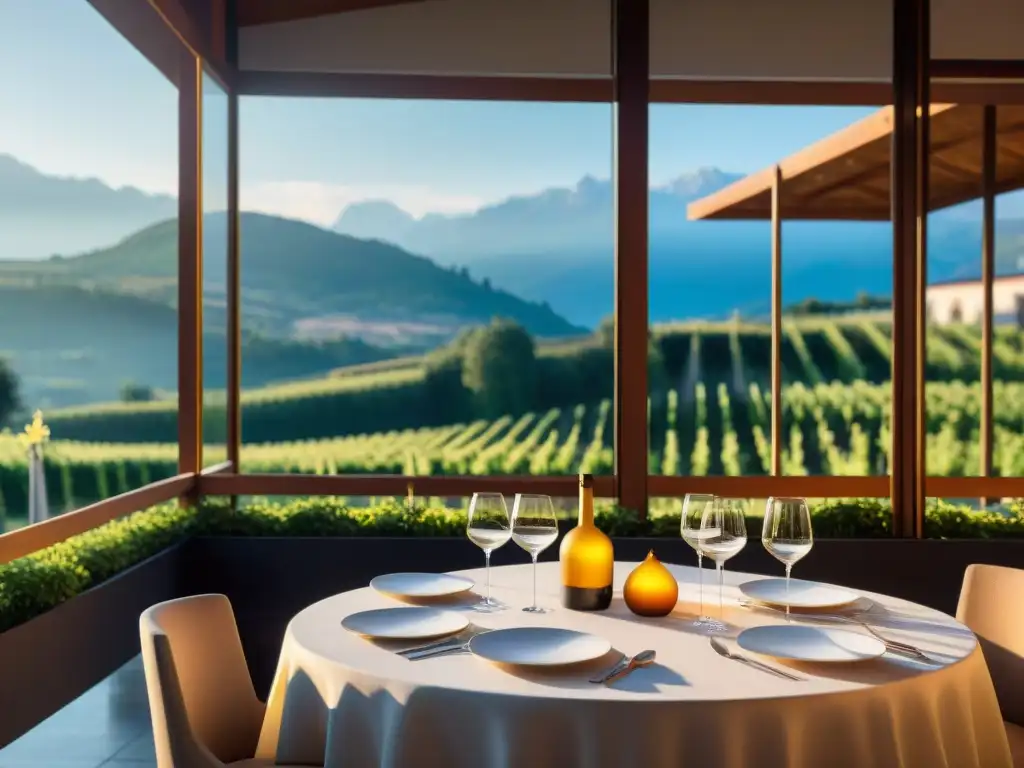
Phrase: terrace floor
pixel 107 726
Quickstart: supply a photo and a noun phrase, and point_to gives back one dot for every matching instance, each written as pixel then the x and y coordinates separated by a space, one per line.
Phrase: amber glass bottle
pixel 587 559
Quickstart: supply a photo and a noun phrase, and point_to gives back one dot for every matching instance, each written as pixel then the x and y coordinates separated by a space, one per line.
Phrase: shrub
pixel 36 583
pixel 133 392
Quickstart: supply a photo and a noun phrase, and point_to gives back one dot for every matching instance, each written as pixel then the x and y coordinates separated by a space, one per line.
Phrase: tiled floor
pixel 107 726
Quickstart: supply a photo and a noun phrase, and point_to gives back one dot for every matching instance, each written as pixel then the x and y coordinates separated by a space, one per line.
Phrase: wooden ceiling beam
pixel 251 13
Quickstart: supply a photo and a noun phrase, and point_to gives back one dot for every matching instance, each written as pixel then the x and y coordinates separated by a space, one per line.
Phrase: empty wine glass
pixel 488 527
pixel 534 528
pixel 723 534
pixel 787 533
pixel 695 505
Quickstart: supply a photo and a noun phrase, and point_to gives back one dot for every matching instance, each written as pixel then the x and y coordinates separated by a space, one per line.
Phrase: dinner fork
pixel 451 640
pixel 722 650
pixel 430 653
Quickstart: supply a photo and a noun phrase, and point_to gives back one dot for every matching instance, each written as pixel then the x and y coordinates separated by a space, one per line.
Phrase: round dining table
pixel 340 700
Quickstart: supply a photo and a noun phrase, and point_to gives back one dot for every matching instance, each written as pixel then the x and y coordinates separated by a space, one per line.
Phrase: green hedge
pixel 36 583
pixel 332 516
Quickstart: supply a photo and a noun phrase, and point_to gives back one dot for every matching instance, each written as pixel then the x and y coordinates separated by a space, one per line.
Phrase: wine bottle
pixel 587 559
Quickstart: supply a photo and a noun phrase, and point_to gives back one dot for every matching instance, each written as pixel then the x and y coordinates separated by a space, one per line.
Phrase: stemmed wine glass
pixel 488 527
pixel 723 534
pixel 534 528
pixel 787 533
pixel 695 505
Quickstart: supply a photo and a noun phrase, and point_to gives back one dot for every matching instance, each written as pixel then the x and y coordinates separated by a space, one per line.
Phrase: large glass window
pixel 215 249
pixel 711 296
pixel 88 257
pixel 427 287
pixel 956 309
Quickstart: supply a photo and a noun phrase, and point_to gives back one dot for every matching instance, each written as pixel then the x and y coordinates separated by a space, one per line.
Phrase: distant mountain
pixel 556 246
pixel 554 219
pixel 43 215
pixel 299 279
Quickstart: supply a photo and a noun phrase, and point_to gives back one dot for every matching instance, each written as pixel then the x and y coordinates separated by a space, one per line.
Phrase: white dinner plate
pixel 421 584
pixel 406 623
pixel 538 646
pixel 803 643
pixel 802 594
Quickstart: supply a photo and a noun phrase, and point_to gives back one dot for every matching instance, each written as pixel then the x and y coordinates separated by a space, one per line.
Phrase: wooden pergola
pixel 625 53
pixel 973 152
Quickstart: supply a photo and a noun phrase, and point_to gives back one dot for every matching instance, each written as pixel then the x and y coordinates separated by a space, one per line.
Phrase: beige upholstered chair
pixel 203 704
pixel 992 605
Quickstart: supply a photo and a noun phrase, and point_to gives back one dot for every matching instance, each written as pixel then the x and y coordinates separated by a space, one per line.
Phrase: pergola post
pixel 190 275
pixel 988 259
pixel 630 65
pixel 910 152
pixel 777 437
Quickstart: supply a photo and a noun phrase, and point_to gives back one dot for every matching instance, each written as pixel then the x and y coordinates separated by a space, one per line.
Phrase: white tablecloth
pixel 340 700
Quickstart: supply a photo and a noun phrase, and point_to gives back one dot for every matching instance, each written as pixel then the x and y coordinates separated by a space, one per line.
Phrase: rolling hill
pixel 71 345
pixel 300 279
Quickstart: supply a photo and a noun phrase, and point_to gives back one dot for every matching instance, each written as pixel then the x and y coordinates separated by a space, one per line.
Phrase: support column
pixel 777 436
pixel 988 262
pixel 910 147
pixel 630 32
pixel 190 274
pixel 234 280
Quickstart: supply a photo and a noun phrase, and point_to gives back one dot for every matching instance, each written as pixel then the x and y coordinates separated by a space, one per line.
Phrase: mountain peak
pixel 701 182
pixel 369 218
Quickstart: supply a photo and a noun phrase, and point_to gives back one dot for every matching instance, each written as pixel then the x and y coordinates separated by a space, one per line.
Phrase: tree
pixel 133 392
pixel 500 369
pixel 10 400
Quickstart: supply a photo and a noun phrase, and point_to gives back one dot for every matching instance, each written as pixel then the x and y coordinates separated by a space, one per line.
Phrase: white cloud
pixel 320 203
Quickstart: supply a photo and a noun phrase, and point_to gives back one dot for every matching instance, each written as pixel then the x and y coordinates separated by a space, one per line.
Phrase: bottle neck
pixel 586 506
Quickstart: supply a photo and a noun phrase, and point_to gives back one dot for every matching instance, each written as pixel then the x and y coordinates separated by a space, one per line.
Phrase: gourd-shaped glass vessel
pixel 587 558
pixel 651 589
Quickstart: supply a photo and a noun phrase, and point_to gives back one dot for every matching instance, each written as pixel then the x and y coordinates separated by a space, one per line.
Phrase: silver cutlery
pixel 462 647
pixel 435 645
pixel 721 649
pixel 894 646
pixel 625 666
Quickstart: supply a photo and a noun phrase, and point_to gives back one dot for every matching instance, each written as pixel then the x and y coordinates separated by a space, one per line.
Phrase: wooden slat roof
pixel 846 175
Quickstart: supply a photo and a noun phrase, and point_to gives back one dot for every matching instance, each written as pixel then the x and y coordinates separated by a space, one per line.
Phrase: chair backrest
pixel 992 605
pixel 204 709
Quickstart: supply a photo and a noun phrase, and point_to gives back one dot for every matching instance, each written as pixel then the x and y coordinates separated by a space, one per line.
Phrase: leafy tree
pixel 10 400
pixel 500 369
pixel 133 392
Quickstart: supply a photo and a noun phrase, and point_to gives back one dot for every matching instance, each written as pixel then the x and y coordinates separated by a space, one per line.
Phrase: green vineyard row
pixel 814 351
pixel 829 429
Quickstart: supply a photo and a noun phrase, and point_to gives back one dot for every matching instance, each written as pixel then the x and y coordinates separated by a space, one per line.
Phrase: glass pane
pixel 710 299
pixel 215 250
pixel 88 258
pixel 426 286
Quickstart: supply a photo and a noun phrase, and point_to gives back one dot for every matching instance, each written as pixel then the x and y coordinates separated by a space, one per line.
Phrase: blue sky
pixel 85 103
